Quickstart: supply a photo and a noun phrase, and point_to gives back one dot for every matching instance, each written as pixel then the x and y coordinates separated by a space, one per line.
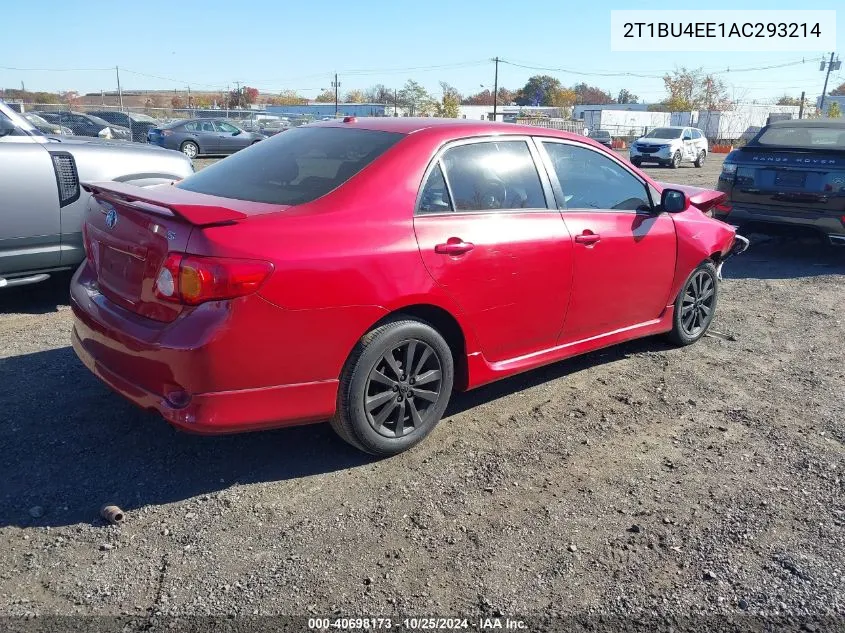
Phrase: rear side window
pixel 435 195
pixel 493 175
pixel 296 167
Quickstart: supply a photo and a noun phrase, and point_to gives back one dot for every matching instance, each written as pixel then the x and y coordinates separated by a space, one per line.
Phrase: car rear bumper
pixel 828 223
pixel 179 381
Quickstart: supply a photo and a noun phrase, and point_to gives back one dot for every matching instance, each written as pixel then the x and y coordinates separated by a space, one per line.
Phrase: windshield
pixel 665 132
pixel 35 119
pixel 292 168
pixel 816 137
pixel 99 121
pixel 143 118
pixel 600 134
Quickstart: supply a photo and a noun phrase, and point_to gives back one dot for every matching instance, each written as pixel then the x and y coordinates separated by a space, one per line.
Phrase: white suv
pixel 670 146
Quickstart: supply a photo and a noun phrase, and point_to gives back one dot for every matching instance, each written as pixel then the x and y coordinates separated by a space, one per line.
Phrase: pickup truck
pixel 42 204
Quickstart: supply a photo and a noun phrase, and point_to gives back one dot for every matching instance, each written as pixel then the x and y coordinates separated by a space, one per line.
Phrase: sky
pixel 292 44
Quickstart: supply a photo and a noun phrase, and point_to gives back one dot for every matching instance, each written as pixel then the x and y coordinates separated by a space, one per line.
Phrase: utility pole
pixel 238 87
pixel 801 106
pixel 335 85
pixel 119 91
pixel 495 87
pixel 395 103
pixel 831 65
pixel 190 103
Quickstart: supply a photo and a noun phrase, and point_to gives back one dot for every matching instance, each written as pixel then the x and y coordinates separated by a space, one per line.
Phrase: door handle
pixel 587 238
pixel 454 246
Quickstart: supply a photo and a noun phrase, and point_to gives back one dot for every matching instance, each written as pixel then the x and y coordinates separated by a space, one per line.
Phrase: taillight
pixel 191 279
pixel 166 132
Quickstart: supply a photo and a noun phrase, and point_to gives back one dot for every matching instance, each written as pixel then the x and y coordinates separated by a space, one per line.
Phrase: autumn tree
pixel 355 96
pixel 839 91
pixel 626 96
pixel 327 96
pixel 416 98
pixel 450 105
pixel 539 90
pixel 833 110
pixel 202 101
pixel 177 102
pixel 563 98
pixel 693 90
pixel 591 95
pixel 378 94
pixel 287 97
pixel 485 97
pixel 786 100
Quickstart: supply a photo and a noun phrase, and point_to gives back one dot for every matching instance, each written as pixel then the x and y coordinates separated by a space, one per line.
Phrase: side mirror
pixel 687 137
pixel 236 132
pixel 674 201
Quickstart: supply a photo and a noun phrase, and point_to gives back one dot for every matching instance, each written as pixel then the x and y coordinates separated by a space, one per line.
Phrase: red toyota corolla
pixel 360 270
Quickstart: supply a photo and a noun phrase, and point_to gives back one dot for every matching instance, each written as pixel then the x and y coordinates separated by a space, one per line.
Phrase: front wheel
pixel 636 162
pixel 394 387
pixel 695 306
pixel 676 161
pixel 699 161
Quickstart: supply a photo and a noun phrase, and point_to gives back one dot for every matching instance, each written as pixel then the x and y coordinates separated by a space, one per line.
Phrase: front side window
pixel 590 180
pixel 298 166
pixel 493 175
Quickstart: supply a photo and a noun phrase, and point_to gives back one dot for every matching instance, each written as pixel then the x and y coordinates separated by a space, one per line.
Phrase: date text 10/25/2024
pixel 417 624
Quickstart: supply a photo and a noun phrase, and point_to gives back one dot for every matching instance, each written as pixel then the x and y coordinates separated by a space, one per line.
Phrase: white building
pixel 728 125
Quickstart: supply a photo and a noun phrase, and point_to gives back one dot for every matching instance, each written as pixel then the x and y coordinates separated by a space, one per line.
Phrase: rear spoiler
pixel 164 200
pixel 703 199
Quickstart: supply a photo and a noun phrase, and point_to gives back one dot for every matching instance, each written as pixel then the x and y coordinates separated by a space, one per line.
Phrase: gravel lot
pixel 638 480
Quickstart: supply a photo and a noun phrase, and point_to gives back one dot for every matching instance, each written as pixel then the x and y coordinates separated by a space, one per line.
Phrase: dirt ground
pixel 641 481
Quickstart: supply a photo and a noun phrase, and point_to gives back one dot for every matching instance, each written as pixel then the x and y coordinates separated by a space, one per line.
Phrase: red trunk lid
pixel 130 230
pixel 703 199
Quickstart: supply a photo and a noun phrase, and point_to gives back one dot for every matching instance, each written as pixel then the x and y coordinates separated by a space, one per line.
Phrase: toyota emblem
pixel 111 218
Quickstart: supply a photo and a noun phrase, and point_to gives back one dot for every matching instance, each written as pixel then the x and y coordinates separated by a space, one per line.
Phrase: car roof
pixel 448 128
pixel 827 123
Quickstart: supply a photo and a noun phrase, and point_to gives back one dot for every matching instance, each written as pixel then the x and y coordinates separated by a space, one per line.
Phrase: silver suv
pixel 42 203
pixel 670 146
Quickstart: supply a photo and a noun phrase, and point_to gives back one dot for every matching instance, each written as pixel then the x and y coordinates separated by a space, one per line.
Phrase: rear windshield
pixel 665 132
pixel 802 136
pixel 600 134
pixel 292 168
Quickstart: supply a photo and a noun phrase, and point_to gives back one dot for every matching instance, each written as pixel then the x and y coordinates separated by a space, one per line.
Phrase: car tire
pixel 699 161
pixel 676 161
pixel 375 391
pixel 636 162
pixel 190 149
pixel 695 305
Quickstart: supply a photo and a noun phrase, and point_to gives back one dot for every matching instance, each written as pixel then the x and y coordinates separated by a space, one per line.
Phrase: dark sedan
pixel 87 125
pixel 140 124
pixel 195 137
pixel 789 177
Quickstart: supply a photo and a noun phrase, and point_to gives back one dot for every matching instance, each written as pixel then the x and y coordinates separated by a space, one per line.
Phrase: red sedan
pixel 360 270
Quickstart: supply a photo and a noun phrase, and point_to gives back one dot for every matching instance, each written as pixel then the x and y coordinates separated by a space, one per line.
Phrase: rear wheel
pixel 190 149
pixel 699 161
pixel 394 388
pixel 676 161
pixel 695 306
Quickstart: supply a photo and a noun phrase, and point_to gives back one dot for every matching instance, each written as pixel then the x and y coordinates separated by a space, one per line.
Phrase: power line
pixel 57 70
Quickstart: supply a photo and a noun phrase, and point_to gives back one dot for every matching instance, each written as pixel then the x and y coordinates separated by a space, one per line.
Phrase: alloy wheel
pixel 403 388
pixel 697 304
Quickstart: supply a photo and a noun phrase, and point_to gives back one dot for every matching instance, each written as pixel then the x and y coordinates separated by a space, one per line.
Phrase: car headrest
pixel 287 170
